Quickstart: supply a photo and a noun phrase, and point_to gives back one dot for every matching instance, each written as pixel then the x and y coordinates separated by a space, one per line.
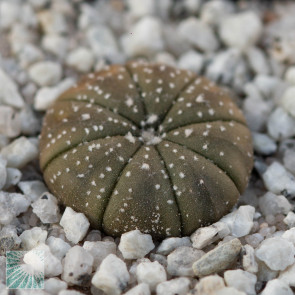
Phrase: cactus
pixel 146 147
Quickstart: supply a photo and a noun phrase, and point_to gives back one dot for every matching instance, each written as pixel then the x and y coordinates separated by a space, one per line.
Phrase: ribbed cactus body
pixel 146 147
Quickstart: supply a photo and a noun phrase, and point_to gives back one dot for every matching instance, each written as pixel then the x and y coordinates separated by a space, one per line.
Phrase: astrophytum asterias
pixel 146 147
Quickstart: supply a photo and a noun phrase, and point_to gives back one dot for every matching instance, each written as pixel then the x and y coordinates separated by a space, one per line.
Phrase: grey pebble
pixel 217 259
pixel 180 261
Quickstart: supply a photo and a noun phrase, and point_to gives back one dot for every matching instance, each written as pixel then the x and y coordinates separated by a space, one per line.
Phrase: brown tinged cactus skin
pixel 148 147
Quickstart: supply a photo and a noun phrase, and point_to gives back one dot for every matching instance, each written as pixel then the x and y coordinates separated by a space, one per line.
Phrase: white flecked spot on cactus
pixel 145 166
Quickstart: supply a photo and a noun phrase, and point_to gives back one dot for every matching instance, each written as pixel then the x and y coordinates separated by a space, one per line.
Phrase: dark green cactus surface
pixel 146 147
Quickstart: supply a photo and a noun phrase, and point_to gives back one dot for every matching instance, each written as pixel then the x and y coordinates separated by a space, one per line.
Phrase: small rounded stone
pixel 217 259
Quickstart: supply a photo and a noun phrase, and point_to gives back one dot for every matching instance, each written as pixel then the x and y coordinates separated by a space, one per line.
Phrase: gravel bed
pixel 246 46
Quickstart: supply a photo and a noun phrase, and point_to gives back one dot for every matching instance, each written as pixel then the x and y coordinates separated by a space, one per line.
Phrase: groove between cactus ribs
pixel 116 182
pixel 171 186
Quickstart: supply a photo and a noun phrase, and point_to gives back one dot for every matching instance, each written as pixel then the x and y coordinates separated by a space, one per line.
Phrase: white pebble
pixel 112 276
pixel 10 122
pixel 52 265
pixel 198 34
pixel 192 6
pixel 240 222
pixel 46 208
pixel 32 237
pixel 241 30
pixel 270 87
pixel 19 36
pixel 134 244
pixel 214 11
pixel 137 44
pixel 102 41
pixel 288 275
pixel 9 89
pixel 75 225
pixel 280 124
pixel 209 284
pixel 10 13
pixel 191 60
pixel 13 177
pixel 290 75
pixel 29 55
pixel 30 123
pixel 33 188
pixel 289 235
pixel 206 235
pixel 277 179
pixel 77 266
pixel 46 96
pixel 165 58
pixel 32 259
pixel 55 44
pixel 54 285
pixel 241 280
pixel 45 73
pixel 289 156
pixel 175 43
pixel 3 141
pixel 151 273
pixel 11 205
pixel 140 289
pixel 178 286
pixel 223 65
pixel 288 102
pixel 271 204
pixel 140 9
pixel 263 144
pixel 69 292
pixel 52 22
pixel 290 219
pixel 257 61
pixel 20 152
pixel 272 248
pixel 81 59
pixel 256 111
pixel 28 16
pixel 58 247
pixel 229 291
pixel 99 251
pixel 275 287
pixel 180 261
pixel 249 261
pixel 169 244
pixel 38 4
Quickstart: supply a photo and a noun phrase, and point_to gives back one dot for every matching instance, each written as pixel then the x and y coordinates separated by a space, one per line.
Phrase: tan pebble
pixel 217 259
